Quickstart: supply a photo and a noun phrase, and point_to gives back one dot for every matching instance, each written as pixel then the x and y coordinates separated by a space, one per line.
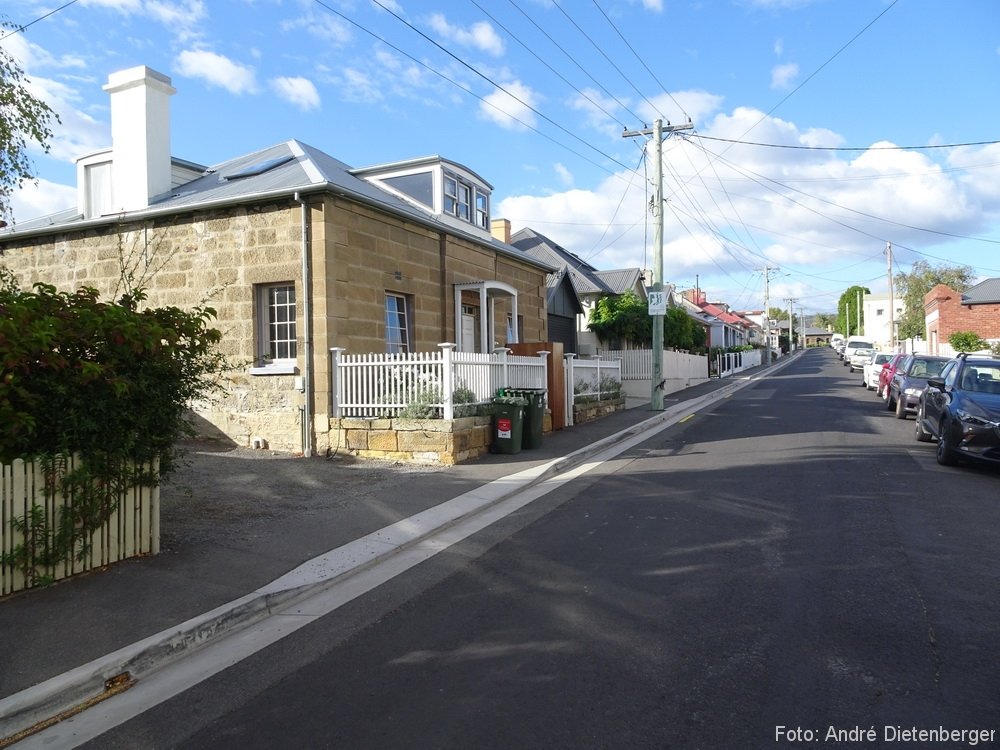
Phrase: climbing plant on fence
pixel 105 381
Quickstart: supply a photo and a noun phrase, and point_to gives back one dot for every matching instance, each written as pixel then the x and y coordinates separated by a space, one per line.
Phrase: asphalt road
pixel 787 560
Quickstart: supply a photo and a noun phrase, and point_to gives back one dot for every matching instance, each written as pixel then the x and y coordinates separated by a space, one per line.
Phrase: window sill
pixel 275 368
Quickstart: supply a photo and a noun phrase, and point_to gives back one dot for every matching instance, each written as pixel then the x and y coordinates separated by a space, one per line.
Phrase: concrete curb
pixel 25 709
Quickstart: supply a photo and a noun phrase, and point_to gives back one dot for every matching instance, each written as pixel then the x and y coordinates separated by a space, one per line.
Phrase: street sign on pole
pixel 657 303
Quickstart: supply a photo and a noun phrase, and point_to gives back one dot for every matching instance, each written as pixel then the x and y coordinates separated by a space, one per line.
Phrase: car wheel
pixel 922 435
pixel 889 403
pixel 945 451
pixel 900 408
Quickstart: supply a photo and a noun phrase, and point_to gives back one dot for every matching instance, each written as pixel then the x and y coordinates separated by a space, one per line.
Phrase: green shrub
pixel 106 382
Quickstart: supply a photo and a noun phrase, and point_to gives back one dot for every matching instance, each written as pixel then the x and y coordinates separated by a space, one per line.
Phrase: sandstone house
pixel 297 252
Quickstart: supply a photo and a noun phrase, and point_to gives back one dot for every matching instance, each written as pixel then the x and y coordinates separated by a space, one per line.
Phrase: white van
pixel 837 338
pixel 860 348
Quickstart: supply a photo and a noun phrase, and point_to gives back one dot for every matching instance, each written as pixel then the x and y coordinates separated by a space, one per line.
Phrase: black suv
pixel 903 391
pixel 961 408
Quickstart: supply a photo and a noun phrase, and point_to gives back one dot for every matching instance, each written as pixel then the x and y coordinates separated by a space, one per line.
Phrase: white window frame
pixel 482 209
pixel 466 201
pixel 403 308
pixel 271 339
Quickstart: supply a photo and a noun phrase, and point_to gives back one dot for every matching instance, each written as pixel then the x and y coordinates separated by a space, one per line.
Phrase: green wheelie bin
pixel 534 415
pixel 508 423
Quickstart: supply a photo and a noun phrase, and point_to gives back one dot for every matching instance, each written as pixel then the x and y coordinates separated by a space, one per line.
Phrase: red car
pixel 885 377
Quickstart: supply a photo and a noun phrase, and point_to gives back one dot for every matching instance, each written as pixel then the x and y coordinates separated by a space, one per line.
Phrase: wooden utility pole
pixel 657 381
pixel 892 303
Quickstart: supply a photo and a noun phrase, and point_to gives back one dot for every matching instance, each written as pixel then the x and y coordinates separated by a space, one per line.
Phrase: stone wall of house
pixel 209 258
pixel 216 258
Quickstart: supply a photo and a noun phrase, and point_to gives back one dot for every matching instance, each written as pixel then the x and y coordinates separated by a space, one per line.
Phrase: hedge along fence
pixel 42 537
pixel 107 383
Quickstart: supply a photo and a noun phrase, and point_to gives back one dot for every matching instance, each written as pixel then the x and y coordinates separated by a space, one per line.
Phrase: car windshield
pixel 881 359
pixel 927 368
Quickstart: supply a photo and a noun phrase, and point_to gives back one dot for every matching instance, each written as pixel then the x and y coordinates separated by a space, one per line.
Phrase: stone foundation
pixel 420 441
pixel 591 411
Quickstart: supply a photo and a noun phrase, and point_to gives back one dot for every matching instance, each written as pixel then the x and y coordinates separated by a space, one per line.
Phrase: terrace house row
pixel 297 252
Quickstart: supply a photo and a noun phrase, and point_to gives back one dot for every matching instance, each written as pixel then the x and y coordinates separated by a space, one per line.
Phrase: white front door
pixel 470 330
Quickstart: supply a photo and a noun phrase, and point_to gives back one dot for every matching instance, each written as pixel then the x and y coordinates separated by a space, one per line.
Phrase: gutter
pixel 307 373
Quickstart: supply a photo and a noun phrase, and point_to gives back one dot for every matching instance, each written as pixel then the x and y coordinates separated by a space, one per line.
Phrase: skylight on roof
pixel 258 168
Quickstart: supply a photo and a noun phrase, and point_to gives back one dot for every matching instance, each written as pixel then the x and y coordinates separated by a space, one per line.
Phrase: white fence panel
pixel 389 385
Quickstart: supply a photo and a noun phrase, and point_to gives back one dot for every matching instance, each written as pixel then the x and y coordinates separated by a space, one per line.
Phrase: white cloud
pixel 782 76
pixel 814 210
pixel 480 35
pixel 217 70
pixel 298 91
pixel 358 87
pixel 45 198
pixel 677 107
pixel 509 112
pixel 179 18
pixel 564 175
pixel 323 26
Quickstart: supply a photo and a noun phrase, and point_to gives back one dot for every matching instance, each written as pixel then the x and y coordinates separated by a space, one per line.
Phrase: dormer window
pixel 460 197
pixel 452 192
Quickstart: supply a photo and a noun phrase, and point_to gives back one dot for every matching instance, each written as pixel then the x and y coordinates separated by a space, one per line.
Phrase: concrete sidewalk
pixel 245 532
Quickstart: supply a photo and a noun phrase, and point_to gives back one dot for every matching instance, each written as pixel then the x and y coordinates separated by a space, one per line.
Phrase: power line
pixel 486 78
pixel 604 54
pixel 542 60
pixel 21 27
pixel 841 148
pixel 465 90
pixel 637 57
pixel 574 61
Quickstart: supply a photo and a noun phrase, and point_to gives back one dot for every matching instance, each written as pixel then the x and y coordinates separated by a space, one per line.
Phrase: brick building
pixel 947 311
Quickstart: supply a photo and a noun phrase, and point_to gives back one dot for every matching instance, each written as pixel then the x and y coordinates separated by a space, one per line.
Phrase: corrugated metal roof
pixel 986 292
pixel 620 280
pixel 295 166
pixel 582 274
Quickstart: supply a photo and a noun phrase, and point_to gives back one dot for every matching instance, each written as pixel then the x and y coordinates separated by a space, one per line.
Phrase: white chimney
pixel 140 136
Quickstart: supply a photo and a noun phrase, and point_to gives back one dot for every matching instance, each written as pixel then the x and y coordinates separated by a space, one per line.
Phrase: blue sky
pixel 534 96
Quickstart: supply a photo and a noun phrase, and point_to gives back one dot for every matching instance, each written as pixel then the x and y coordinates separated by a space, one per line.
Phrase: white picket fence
pixel 133 528
pixel 593 378
pixel 427 383
pixel 731 363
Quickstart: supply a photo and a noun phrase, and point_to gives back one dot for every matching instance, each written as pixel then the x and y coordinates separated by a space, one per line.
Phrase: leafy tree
pixel 825 320
pixel 912 287
pixel 623 317
pixel 967 341
pixel 849 321
pixel 681 332
pixel 776 313
pixel 24 119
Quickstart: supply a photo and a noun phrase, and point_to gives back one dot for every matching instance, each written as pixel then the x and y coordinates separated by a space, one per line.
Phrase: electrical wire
pixel 18 28
pixel 637 57
pixel 542 60
pixel 841 148
pixel 465 90
pixel 490 81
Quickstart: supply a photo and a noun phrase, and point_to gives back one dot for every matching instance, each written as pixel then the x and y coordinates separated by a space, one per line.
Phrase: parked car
pixel 885 376
pixel 859 358
pixel 855 343
pixel 961 409
pixel 872 368
pixel 910 380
